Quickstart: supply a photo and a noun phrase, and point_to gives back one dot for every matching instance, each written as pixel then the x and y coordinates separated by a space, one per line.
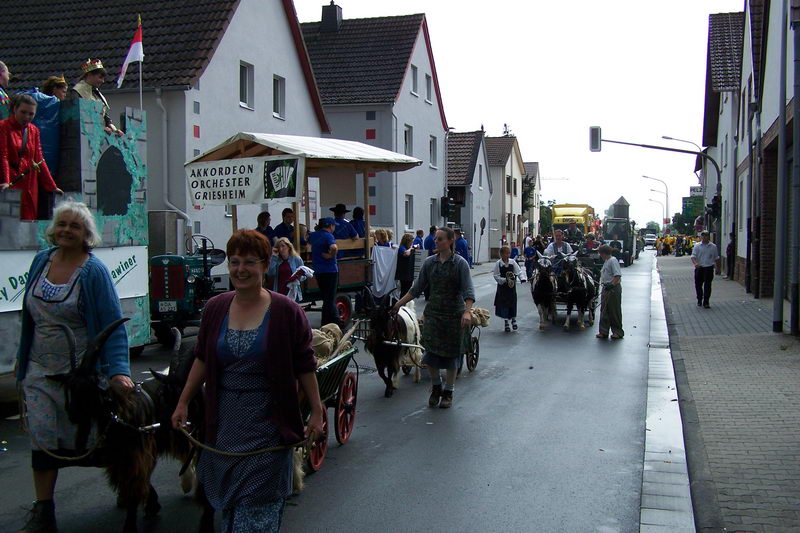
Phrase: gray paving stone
pixel 744 382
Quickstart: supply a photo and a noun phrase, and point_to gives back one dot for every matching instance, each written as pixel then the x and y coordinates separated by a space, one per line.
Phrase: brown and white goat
pixel 386 328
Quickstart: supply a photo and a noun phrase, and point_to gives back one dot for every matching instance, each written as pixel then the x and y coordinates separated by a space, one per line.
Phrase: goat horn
pixel 73 362
pixel 94 348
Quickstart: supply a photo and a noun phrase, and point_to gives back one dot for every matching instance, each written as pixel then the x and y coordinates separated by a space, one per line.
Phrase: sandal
pixel 601 336
pixel 616 336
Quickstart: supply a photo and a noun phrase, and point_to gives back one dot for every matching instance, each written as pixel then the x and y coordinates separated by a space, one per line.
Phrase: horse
pixel 543 289
pixel 580 289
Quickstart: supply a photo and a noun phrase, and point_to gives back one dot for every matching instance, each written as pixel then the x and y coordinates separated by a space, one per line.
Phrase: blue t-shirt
pixel 321 242
pixel 462 248
pixel 360 226
pixel 430 243
pixel 417 242
pixel 530 252
pixel 514 252
pixel 343 229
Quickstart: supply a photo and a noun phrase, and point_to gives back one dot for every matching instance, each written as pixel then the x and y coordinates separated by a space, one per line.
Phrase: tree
pixel 546 216
pixel 528 186
pixel 653 226
pixel 683 224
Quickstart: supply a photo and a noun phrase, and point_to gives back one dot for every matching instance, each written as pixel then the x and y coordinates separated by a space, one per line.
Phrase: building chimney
pixel 331 18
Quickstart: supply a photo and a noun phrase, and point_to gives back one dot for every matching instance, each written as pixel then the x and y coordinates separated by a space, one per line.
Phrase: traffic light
pixel 445 205
pixel 595 139
pixel 716 207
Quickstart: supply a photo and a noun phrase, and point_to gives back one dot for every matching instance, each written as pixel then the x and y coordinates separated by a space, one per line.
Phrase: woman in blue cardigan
pixel 67 285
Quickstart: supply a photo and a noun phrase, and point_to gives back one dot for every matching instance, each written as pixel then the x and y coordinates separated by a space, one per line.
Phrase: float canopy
pixel 318 152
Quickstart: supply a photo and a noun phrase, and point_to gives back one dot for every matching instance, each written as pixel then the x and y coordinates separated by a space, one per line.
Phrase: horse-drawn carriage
pixel 562 283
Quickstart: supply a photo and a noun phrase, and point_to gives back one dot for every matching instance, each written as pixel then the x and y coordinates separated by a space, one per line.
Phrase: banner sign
pixel 693 205
pixel 127 265
pixel 696 190
pixel 246 181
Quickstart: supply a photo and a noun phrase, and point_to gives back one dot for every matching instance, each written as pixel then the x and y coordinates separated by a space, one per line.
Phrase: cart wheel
pixel 316 454
pixel 345 413
pixel 406 370
pixel 345 308
pixel 474 353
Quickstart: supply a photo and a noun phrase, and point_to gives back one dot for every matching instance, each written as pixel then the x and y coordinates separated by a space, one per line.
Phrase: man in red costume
pixel 22 164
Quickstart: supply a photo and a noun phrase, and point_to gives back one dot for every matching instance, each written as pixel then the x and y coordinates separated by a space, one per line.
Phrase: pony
pixel 543 289
pixel 580 289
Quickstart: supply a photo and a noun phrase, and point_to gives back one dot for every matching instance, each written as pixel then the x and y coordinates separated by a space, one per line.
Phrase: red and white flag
pixel 135 53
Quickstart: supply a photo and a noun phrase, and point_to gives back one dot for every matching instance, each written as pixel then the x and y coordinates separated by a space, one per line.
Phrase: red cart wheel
pixel 345 413
pixel 316 454
pixel 345 308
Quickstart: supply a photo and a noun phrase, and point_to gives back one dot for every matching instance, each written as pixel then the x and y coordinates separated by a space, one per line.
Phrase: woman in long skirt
pixel 505 274
pixel 446 315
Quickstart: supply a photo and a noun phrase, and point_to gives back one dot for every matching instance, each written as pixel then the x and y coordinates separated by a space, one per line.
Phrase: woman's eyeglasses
pixel 249 263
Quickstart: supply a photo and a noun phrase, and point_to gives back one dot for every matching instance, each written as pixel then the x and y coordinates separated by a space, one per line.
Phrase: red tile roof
pixel 41 38
pixel 499 149
pixel 462 156
pixel 366 60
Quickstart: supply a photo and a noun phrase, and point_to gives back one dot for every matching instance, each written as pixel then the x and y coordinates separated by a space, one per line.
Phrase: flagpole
pixel 141 106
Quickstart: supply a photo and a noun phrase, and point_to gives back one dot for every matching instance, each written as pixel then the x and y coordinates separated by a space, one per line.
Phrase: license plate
pixel 168 306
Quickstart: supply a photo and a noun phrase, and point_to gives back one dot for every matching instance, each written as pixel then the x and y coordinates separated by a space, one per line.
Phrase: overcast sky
pixel 551 69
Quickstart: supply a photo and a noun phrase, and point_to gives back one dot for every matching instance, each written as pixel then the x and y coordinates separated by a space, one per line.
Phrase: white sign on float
pixel 126 264
pixel 246 181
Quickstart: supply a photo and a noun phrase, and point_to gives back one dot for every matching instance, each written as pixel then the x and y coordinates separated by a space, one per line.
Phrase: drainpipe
pixel 780 204
pixel 165 162
pixel 794 284
pixel 394 174
pixel 748 263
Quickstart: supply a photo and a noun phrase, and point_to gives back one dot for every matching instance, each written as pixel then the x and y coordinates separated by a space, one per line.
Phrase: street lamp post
pixel 666 188
pixel 667 137
pixel 663 208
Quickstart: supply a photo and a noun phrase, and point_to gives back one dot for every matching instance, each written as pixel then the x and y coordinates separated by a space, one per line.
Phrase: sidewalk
pixel 739 391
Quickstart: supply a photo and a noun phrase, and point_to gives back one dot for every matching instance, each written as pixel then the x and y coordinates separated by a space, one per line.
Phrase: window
pixel 196 107
pixel 480 176
pixel 196 152
pixel 197 226
pixel 434 212
pixel 370 115
pixel 246 89
pixel 414 80
pixel 408 140
pixel 372 191
pixel 434 159
pixel 370 133
pixel 508 184
pixel 409 211
pixel 428 88
pixel 278 97
pixel 515 187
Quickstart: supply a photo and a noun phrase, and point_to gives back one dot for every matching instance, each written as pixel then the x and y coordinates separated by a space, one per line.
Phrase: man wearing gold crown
pixel 93 77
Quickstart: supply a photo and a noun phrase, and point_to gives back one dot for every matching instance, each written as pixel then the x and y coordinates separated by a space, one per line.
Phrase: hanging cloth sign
pixel 249 180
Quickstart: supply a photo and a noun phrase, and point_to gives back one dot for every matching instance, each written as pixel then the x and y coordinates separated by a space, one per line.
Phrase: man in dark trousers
pixel 704 257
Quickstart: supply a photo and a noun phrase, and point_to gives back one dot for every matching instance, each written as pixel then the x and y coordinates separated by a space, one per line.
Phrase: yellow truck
pixel 581 214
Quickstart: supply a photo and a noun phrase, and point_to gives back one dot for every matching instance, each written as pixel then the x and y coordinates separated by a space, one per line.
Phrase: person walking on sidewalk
pixel 611 302
pixel 447 315
pixel 704 257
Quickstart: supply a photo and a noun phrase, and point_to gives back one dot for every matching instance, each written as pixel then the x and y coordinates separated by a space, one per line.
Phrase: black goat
pixel 403 328
pixel 165 389
pixel 127 454
pixel 543 289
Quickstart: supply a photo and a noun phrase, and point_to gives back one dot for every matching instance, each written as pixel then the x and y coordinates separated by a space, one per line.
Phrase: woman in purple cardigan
pixel 253 347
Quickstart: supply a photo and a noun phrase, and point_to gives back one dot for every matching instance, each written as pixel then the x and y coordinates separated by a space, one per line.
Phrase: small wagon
pixel 338 388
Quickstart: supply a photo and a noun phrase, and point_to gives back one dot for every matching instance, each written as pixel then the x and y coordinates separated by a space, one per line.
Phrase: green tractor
pixel 180 286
